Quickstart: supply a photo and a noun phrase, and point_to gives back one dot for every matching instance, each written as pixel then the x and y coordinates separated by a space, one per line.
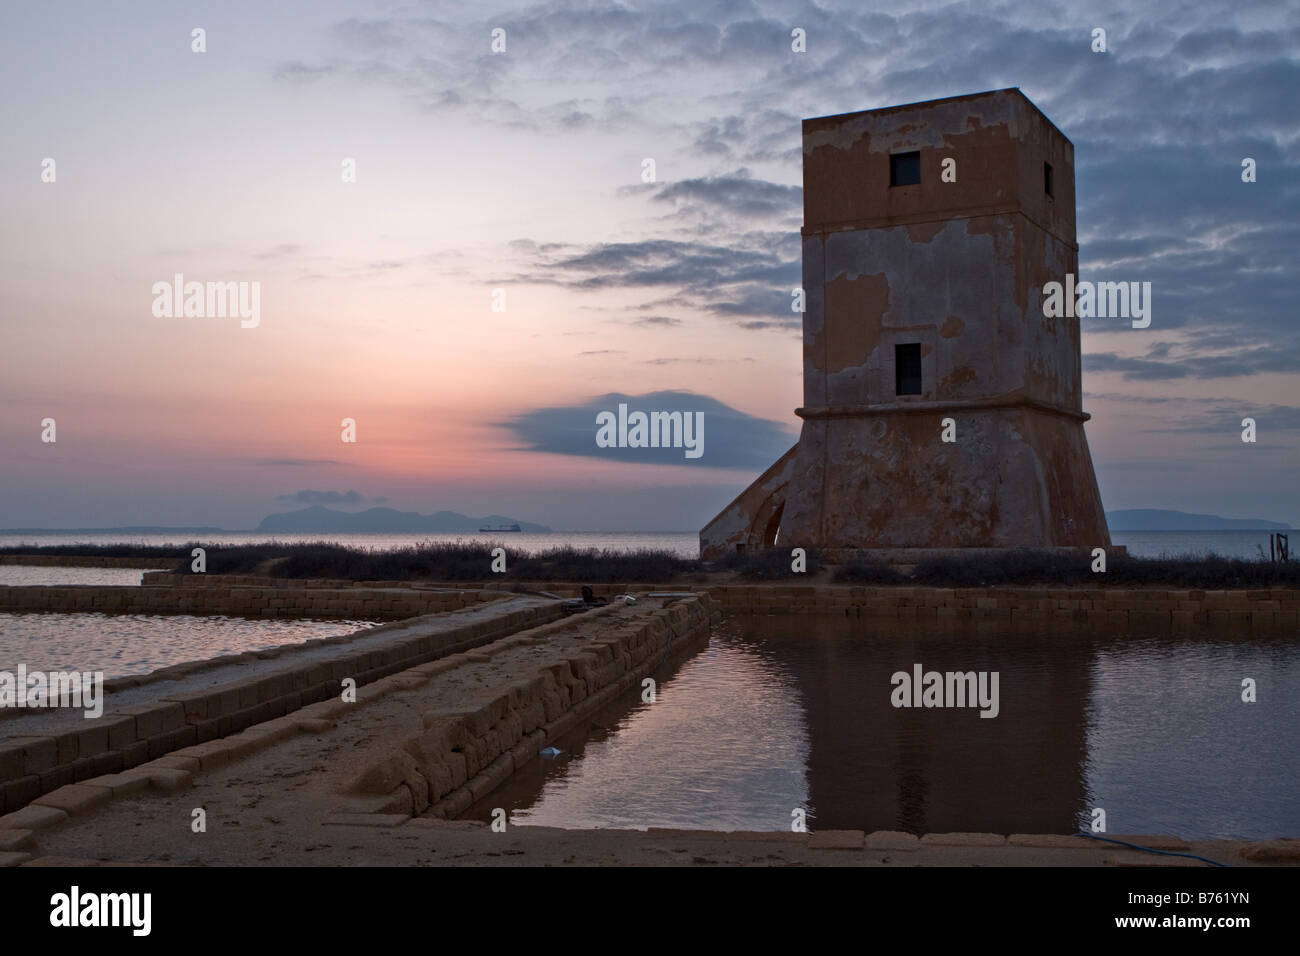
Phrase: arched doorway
pixel 773 526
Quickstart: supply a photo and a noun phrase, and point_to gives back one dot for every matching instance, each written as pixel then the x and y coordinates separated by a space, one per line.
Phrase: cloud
pixel 737 196
pixel 1192 364
pixel 1210 416
pixel 309 497
pixel 281 251
pixel 751 278
pixel 1160 124
pixel 293 462
pixel 732 439
pixel 657 320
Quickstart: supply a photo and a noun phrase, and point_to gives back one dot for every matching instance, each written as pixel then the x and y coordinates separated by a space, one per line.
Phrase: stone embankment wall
pixel 124 737
pixel 463 756
pixel 1114 609
pixel 170 580
pixel 1158 610
pixel 362 603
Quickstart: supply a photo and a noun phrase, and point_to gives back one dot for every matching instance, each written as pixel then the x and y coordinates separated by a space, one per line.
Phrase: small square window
pixel 1047 178
pixel 904 169
pixel 907 369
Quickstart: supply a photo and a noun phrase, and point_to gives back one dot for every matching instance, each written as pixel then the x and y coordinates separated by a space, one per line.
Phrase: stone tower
pixel 929 232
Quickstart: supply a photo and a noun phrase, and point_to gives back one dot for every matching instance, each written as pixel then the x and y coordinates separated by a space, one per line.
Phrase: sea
pixel 1144 544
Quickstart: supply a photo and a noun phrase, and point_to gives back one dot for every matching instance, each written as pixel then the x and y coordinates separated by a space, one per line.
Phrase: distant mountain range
pixel 318 518
pixel 1156 519
pixel 129 529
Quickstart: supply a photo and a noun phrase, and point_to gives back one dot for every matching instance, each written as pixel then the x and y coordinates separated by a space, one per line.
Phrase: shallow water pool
pixel 782 716
pixel 120 644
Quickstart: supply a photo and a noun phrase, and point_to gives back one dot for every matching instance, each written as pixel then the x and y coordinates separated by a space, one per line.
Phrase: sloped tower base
pixel 1013 477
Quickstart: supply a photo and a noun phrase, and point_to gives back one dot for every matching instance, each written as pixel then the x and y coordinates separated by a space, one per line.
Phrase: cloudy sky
pixel 524 171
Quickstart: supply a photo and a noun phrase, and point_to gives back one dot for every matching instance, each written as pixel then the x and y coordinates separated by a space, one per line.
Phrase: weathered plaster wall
pixel 1014 476
pixel 742 525
pixel 957 267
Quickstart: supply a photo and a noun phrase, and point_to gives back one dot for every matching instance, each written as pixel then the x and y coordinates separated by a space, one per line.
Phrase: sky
pixel 501 270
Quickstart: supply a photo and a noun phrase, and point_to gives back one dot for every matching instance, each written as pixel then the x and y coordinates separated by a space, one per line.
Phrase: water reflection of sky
pixel 785 713
pixel 1172 748
pixel 723 747
pixel 121 644
pixel 15 575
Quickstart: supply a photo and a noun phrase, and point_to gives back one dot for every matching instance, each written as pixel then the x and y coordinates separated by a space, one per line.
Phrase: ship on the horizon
pixel 504 527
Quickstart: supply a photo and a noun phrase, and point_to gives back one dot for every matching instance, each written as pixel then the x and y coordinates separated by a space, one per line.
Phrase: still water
pixel 120 644
pixel 21 574
pixel 782 714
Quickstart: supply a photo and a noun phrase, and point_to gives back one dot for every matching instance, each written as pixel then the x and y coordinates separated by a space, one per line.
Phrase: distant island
pixel 128 529
pixel 318 518
pixel 1156 519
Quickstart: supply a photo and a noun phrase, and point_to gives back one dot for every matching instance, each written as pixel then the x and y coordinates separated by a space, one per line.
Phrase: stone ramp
pixel 297 770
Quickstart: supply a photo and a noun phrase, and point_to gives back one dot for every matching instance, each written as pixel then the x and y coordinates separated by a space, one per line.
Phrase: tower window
pixel 1047 178
pixel 904 169
pixel 907 369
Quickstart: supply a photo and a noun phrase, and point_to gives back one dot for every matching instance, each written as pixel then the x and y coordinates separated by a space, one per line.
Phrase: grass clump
pixel 770 564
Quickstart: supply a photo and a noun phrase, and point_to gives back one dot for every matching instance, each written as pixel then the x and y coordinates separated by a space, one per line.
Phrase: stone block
pixel 1155 842
pixel 892 840
pixel 135 754
pixel 38 753
pixel 154 719
pixel 121 784
pixel 11 760
pixel 74 798
pixel 836 840
pixel 93 739
pixel 168 778
pixel 171 740
pixel 33 817
pixel 18 793
pixel 57 777
pixel 1053 841
pixel 15 839
pixel 177 761
pixel 963 839
pixel 1285 850
pixel 110 761
pixel 1136 858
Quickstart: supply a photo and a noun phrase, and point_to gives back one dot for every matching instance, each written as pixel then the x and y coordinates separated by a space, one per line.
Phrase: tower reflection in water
pixel 783 714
